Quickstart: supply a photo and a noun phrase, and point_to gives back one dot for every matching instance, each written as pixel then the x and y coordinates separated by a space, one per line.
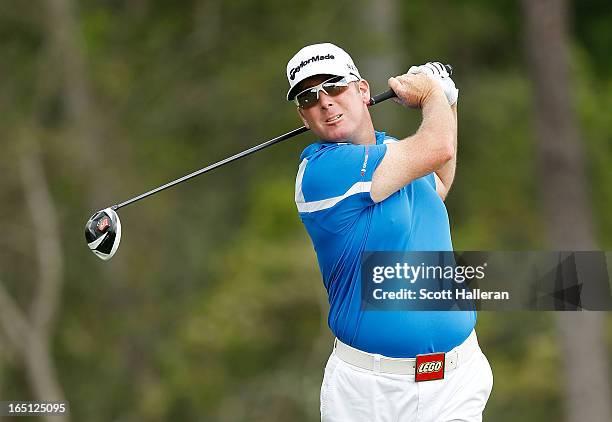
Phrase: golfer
pixel 358 190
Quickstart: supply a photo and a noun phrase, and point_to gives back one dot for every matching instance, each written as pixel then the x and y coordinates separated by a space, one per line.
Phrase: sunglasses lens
pixel 307 99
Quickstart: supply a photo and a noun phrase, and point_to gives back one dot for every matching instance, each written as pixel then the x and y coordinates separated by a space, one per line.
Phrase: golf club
pixel 103 229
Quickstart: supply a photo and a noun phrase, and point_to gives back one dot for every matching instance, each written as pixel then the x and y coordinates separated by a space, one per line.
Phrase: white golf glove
pixel 437 71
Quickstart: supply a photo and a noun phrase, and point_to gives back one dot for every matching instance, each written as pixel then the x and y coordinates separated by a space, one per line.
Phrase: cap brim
pixel 291 93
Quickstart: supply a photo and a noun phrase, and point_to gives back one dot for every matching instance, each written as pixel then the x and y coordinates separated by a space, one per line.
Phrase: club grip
pixel 382 97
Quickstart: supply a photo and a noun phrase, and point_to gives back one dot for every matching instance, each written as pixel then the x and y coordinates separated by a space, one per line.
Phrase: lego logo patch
pixel 429 367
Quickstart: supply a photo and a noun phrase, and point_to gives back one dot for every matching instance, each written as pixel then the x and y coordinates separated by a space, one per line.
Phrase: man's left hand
pixel 437 71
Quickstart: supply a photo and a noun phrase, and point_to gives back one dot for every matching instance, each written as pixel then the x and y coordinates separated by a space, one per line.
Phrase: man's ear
pixel 301 113
pixel 364 90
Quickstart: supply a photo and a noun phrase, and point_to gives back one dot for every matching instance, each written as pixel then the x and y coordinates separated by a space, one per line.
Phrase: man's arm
pixel 446 174
pixel 429 149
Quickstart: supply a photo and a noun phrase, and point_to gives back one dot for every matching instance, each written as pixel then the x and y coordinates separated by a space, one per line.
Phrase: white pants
pixel 353 394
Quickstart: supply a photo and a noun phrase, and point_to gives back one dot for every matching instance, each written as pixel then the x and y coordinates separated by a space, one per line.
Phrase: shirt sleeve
pixel 333 186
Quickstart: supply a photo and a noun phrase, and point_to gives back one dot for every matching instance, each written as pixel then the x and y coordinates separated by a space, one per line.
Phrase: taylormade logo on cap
pixel 295 70
pixel 318 59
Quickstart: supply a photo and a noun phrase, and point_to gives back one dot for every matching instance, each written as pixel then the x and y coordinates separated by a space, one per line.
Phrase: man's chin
pixel 333 136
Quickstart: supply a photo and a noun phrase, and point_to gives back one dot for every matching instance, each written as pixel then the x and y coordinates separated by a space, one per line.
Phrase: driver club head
pixel 103 233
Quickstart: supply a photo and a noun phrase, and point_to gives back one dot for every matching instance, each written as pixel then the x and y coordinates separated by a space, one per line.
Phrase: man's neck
pixel 366 136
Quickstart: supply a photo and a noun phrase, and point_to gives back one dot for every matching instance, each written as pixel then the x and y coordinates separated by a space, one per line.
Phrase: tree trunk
pixel 568 215
pixel 382 61
pixel 31 334
pixel 66 51
pixel 82 124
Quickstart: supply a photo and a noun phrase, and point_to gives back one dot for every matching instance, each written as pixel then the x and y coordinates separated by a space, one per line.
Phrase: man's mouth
pixel 334 118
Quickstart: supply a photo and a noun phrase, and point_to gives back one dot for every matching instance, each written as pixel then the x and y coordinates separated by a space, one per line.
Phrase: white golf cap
pixel 318 59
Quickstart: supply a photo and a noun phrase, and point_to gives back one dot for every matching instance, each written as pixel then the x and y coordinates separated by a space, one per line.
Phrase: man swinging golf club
pixel 360 190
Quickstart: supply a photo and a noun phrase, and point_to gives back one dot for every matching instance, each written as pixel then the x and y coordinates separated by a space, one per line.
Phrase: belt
pixel 401 366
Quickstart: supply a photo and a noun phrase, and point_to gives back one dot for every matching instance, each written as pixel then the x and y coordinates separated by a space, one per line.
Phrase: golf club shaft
pixel 374 100
pixel 213 166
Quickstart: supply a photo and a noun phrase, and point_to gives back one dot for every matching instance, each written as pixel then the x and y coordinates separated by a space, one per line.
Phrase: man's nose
pixel 325 100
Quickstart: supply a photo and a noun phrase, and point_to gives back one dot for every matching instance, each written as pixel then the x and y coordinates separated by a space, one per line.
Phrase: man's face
pixel 337 118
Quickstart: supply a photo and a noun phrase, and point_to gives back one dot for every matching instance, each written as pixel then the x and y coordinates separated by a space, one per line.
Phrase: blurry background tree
pixel 28 333
pixel 213 309
pixel 562 182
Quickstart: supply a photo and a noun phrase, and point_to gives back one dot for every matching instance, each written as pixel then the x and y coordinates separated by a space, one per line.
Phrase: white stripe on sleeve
pixel 323 204
pixel 299 196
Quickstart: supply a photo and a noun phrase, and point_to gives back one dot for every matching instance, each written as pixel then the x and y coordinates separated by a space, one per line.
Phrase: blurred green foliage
pixel 213 309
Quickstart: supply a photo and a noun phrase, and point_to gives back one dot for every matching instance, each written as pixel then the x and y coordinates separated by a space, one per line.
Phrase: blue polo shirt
pixel 332 194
